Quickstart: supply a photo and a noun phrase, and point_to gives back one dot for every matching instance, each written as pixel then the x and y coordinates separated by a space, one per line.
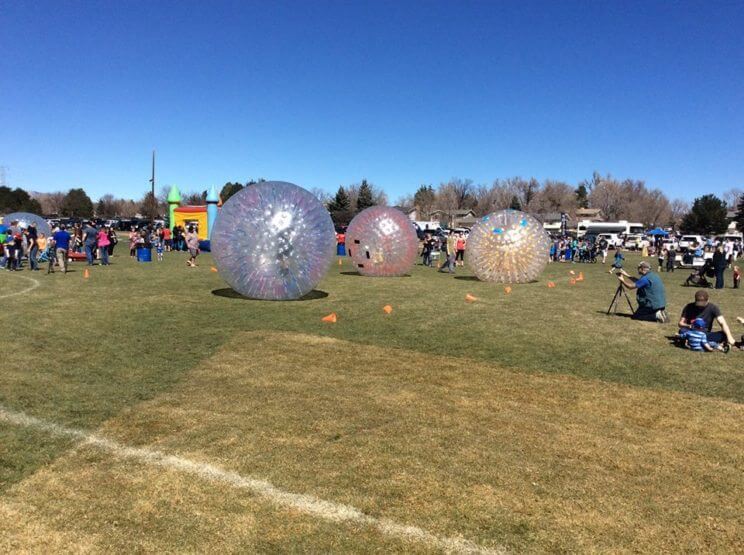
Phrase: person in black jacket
pixel 719 265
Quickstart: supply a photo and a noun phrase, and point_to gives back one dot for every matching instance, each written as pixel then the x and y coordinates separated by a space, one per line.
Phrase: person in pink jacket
pixel 103 245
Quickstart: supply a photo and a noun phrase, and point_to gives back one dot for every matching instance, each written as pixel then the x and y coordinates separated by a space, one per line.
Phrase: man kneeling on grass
pixel 709 313
pixel 650 294
pixel 697 340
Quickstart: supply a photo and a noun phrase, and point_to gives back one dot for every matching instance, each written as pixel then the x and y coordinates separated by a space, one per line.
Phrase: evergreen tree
pixel 364 200
pixel 424 200
pixel 740 214
pixel 707 216
pixel 340 207
pixel 515 205
pixel 77 204
pixel 17 200
pixel 582 196
pixel 229 190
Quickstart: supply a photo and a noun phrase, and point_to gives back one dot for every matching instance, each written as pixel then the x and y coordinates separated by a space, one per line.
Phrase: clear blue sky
pixel 402 93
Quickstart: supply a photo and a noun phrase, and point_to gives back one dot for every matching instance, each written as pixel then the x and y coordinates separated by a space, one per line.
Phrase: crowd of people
pixel 26 247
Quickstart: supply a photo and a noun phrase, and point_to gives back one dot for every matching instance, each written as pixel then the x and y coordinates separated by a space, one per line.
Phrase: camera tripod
pixel 619 292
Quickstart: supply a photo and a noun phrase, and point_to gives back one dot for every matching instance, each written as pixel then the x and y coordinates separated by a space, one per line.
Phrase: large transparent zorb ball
pixel 273 241
pixel 26 218
pixel 381 241
pixel 507 246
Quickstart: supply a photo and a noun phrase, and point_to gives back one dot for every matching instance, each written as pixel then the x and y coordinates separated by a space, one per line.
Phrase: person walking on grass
pixel 719 265
pixel 450 248
pixel 62 240
pixel 192 244
pixel 113 240
pixel 90 238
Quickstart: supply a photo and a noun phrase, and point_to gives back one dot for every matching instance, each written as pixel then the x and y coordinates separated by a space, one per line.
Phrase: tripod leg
pixel 630 304
pixel 613 304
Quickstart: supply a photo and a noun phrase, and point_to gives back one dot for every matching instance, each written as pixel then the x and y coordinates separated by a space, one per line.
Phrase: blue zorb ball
pixel 273 241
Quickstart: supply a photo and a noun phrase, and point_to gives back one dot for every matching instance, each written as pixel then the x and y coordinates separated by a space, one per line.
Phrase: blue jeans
pixel 89 251
pixel 712 336
pixel 104 256
pixel 32 254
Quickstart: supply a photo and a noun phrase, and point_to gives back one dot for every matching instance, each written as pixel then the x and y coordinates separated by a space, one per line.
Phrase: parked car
pixel 634 241
pixel 613 239
pixel 687 241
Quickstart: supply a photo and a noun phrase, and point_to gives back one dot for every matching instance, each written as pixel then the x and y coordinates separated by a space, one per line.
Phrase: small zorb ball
pixel 381 241
pixel 273 241
pixel 508 246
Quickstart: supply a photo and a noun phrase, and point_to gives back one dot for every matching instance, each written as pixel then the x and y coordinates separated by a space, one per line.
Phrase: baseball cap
pixel 644 264
pixel 698 323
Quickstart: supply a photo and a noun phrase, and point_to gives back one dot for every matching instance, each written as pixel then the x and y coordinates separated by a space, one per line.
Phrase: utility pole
pixel 152 181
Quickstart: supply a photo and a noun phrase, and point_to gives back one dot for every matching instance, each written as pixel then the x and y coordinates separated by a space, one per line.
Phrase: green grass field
pixel 527 421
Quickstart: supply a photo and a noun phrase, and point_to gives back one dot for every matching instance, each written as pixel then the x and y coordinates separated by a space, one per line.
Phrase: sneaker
pixel 662 316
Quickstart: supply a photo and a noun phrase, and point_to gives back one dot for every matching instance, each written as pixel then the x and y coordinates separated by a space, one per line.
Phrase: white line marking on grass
pixel 34 285
pixel 308 504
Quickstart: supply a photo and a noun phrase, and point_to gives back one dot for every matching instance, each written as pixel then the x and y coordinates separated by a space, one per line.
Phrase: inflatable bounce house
pixel 201 217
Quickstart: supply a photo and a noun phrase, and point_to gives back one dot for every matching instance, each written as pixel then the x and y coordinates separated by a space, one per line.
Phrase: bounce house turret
pixel 174 200
pixel 212 199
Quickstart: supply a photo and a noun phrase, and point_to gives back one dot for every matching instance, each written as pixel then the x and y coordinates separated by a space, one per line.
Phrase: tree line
pixel 627 199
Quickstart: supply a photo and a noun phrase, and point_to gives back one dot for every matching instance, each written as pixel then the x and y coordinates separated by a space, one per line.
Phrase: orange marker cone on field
pixel 470 298
pixel 507 289
pixel 340 262
pixel 572 281
pixel 213 269
pixel 581 277
pixel 387 309
pixel 86 274
pixel 330 318
pixel 551 285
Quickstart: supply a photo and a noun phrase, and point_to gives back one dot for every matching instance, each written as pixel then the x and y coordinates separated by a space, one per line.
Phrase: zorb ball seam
pixel 507 246
pixel 273 241
pixel 382 242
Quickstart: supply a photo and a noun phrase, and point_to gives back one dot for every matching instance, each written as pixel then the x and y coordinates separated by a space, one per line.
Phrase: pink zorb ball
pixel 381 241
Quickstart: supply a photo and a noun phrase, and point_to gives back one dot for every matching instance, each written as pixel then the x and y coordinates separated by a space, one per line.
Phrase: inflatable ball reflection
pixel 508 246
pixel 381 241
pixel 26 218
pixel 273 241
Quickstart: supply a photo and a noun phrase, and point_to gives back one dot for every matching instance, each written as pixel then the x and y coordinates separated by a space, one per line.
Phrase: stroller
pixel 699 278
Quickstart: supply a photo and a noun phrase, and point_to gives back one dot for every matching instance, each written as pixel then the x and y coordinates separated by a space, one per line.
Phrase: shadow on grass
pixel 617 314
pixel 360 275
pixel 466 278
pixel 229 293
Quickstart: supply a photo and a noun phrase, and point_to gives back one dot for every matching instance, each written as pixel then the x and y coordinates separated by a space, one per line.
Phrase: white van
pixel 613 239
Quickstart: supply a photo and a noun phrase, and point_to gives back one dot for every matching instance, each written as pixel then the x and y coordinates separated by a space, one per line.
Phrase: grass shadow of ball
pixel 467 278
pixel 360 275
pixel 230 293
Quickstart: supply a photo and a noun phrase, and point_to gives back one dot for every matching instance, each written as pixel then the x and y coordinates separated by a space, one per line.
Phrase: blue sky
pixel 402 93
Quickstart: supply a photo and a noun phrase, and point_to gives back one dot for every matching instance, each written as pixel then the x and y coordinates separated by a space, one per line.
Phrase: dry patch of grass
pixel 530 461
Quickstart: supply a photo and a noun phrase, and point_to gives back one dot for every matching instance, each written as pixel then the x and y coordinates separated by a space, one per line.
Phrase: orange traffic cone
pixel 86 274
pixel 340 262
pixel 387 308
pixel 572 281
pixel 213 269
pixel 470 298
pixel 551 285
pixel 330 318
pixel 507 289
pixel 581 277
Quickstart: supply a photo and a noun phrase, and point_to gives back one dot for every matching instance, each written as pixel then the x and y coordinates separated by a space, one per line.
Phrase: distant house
pixel 412 213
pixel 551 221
pixel 731 217
pixel 589 214
pixel 454 218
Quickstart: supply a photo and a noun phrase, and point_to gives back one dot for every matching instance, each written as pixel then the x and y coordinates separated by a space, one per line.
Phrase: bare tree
pixel 555 196
pixel 732 196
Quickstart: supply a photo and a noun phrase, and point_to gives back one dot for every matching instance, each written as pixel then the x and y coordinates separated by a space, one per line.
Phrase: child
pixel 618 264
pixel 51 246
pixel 661 256
pixel 159 248
pixel 737 277
pixel 697 340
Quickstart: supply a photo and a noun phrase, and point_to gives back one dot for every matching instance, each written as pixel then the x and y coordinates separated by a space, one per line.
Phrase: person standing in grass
pixel 103 246
pixel 90 238
pixel 192 244
pixel 427 249
pixel 133 237
pixel 460 250
pixel 719 265
pixel 113 239
pixel 62 244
